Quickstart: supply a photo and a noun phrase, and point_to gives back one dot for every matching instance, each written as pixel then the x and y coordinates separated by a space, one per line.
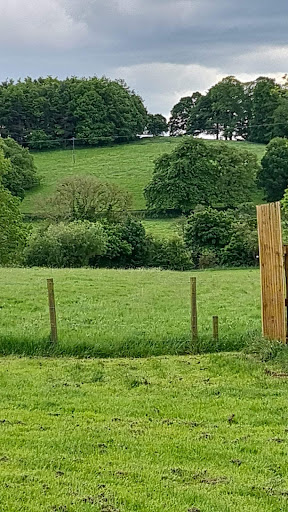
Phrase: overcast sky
pixel 164 49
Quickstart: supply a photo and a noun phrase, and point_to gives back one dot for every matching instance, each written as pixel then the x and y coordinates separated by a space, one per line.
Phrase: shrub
pixel 21 175
pixel 65 245
pixel 126 245
pixel 86 198
pixel 208 259
pixel 208 229
pixel 170 254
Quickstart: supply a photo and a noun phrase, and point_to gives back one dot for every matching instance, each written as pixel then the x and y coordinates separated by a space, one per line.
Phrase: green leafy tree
pixel 281 118
pixel 273 175
pixel 265 101
pixel 96 110
pixel 12 230
pixel 237 172
pixel 197 172
pixel 157 124
pixel 181 112
pixel 21 174
pixel 227 106
pixel 86 198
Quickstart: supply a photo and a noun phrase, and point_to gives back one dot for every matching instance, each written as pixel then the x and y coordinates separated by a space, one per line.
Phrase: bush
pixel 86 198
pixel 65 245
pixel 126 245
pixel 208 229
pixel 21 175
pixel 208 259
pixel 222 238
pixel 170 254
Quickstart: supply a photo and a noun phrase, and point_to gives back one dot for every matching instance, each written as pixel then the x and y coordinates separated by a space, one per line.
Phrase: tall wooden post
pixel 52 310
pixel 194 319
pixel 272 271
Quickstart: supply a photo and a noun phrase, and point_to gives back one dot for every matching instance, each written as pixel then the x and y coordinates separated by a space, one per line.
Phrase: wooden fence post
pixel 194 320
pixel 215 328
pixel 272 271
pixel 52 310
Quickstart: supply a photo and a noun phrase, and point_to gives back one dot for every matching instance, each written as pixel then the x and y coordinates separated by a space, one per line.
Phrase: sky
pixel 164 49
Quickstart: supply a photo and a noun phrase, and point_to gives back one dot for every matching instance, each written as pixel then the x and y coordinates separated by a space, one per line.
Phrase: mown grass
pixel 110 313
pixel 129 165
pixel 168 434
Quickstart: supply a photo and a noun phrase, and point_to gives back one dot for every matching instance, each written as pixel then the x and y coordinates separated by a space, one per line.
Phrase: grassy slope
pixel 142 435
pixel 132 312
pixel 130 166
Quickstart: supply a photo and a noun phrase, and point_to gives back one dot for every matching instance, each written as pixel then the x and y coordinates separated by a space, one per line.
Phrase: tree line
pixel 44 112
pixel 255 111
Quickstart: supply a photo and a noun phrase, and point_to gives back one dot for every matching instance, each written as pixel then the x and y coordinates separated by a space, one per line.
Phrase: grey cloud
pixel 164 48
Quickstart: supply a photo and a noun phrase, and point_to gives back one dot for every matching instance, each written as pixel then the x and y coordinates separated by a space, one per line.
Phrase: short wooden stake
pixel 52 310
pixel 194 320
pixel 215 328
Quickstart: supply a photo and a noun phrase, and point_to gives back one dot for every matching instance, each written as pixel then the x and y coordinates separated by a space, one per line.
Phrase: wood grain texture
pixel 272 271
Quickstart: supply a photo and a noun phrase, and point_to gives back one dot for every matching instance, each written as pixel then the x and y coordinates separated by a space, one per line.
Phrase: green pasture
pixel 168 434
pixel 129 166
pixel 110 313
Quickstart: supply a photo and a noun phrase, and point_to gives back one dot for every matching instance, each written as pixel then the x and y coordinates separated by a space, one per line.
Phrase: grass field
pixel 129 166
pixel 142 435
pixel 126 312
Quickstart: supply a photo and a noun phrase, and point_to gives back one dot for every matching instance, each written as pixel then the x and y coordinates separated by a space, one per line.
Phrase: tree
pixel 96 110
pixel 157 124
pixel 273 175
pixel 265 100
pixel 227 106
pixel 281 118
pixel 21 174
pixel 86 198
pixel 181 113
pixel 197 172
pixel 237 172
pixel 12 230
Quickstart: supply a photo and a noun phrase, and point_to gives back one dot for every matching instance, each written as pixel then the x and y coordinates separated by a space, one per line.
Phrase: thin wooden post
pixel 52 310
pixel 194 319
pixel 215 328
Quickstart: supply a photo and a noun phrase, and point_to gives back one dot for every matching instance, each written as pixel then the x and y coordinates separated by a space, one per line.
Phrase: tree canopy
pixel 20 173
pixel 273 175
pixel 197 172
pixel 45 111
pixel 256 111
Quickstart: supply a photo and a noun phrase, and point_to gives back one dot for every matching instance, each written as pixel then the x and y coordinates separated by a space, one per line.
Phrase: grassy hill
pixel 129 166
pixel 126 312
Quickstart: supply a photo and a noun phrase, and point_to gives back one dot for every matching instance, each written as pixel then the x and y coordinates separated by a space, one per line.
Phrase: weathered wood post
pixel 52 310
pixel 215 328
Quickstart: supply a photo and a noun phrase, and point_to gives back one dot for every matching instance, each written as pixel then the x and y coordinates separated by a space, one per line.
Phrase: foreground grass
pixel 170 434
pixel 129 165
pixel 110 313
